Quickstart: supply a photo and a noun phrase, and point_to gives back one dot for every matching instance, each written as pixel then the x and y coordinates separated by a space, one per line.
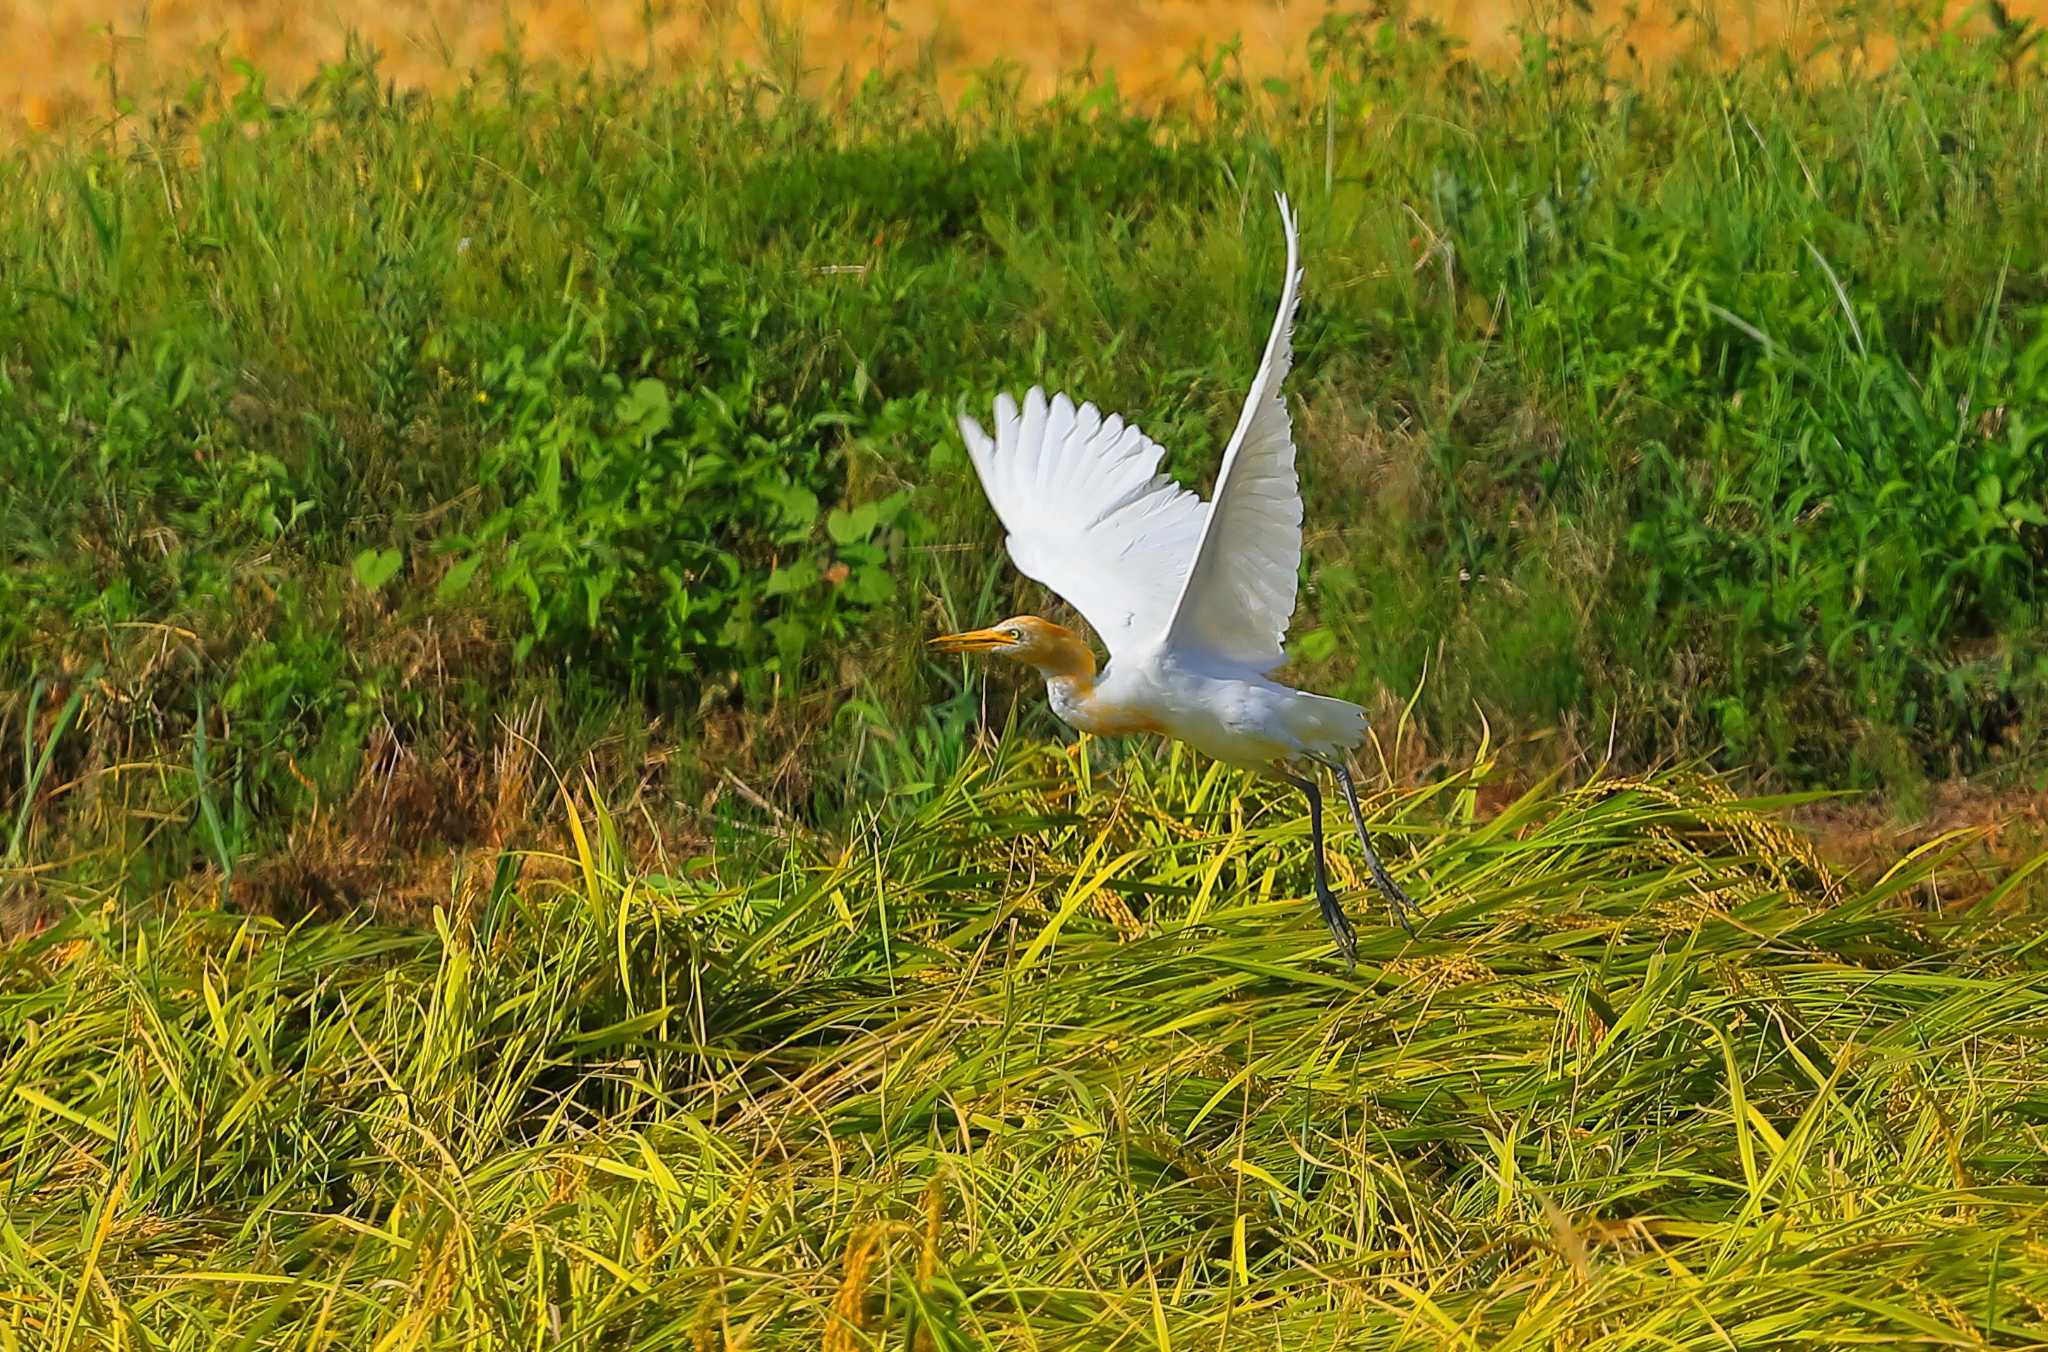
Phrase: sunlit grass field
pixel 1061 1060
pixel 486 859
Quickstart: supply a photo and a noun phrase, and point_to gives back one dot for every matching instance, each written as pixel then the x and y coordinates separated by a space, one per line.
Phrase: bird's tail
pixel 1325 728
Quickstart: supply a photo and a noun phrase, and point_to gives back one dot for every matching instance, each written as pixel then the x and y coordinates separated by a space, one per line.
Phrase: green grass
pixel 1061 1059
pixel 1690 414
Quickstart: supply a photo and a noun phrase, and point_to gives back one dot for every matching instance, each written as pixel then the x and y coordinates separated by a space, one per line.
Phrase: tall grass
pixel 1697 414
pixel 1059 1059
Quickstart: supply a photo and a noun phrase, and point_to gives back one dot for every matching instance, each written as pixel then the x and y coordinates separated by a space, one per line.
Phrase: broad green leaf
pixel 791 577
pixel 375 567
pixel 846 526
pixel 457 578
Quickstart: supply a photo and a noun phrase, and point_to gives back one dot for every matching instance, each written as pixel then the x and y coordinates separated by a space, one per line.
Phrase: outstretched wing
pixel 1239 595
pixel 1088 512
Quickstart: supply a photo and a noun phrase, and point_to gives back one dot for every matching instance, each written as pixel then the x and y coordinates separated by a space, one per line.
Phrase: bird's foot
pixel 1398 901
pixel 1340 928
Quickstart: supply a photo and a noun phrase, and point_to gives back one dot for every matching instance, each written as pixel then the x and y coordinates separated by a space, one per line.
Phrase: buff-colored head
pixel 1037 643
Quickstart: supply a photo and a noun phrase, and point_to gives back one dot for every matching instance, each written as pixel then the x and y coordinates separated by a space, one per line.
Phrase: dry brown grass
pixel 85 50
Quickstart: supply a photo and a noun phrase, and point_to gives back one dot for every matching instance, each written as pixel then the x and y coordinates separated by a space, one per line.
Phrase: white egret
pixel 1191 598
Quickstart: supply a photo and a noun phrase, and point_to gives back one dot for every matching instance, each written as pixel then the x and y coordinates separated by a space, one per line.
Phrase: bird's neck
pixel 1069 671
pixel 1068 668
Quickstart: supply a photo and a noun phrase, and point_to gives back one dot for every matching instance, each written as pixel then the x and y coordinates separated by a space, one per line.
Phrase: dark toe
pixel 1340 929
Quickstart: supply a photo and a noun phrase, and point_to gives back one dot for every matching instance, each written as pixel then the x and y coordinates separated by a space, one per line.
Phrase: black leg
pixel 1333 914
pixel 1398 901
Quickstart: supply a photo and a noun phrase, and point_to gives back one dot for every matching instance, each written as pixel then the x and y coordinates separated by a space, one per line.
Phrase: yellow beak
pixel 973 641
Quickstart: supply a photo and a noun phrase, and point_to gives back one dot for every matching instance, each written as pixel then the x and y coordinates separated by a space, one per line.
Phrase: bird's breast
pixel 1116 720
pixel 1101 712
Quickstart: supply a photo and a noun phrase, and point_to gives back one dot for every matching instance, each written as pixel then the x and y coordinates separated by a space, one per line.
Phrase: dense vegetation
pixel 1696 412
pixel 1054 1061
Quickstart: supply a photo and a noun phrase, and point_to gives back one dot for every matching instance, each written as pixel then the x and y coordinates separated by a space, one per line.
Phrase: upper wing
pixel 1088 512
pixel 1240 593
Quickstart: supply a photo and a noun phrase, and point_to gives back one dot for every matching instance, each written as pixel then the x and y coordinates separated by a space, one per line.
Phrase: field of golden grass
pixel 78 54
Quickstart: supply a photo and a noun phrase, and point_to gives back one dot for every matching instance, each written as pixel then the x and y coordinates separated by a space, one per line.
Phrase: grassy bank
pixel 1059 1060
pixel 339 432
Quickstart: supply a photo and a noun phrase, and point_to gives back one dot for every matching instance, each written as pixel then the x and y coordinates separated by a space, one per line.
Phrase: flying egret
pixel 1191 598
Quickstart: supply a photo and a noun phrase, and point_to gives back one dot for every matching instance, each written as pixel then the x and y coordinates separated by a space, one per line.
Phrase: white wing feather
pixel 1239 595
pixel 1088 513
pixel 1090 516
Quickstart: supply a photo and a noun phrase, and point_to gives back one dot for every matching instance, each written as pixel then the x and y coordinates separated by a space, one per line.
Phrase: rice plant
pixel 1057 1057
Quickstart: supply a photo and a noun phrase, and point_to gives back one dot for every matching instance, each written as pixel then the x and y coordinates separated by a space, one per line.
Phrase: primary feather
pixel 1088 513
pixel 1239 596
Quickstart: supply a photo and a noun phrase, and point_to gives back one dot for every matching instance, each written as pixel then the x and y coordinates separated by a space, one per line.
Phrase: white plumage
pixel 1191 598
pixel 1088 512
